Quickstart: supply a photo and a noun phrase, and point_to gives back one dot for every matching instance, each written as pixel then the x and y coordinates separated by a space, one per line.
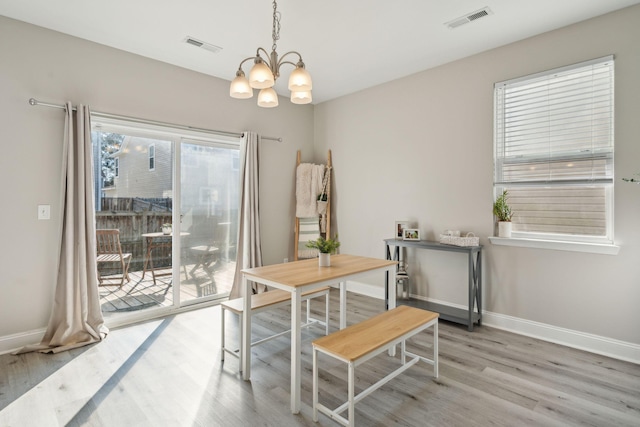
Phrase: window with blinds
pixel 554 151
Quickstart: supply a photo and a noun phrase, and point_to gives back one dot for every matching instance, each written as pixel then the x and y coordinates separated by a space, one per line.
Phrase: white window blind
pixel 554 149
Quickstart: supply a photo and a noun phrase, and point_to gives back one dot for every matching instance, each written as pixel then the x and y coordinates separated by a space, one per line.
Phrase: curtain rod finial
pixel 32 101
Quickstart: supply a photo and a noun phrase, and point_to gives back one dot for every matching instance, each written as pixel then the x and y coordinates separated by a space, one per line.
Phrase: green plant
pixel 322 197
pixel 325 246
pixel 501 208
pixel 167 224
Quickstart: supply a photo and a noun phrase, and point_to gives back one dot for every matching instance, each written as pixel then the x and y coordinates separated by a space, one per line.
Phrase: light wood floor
pixel 168 373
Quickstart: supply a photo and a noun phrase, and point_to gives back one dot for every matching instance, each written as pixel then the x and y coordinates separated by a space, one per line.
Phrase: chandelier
pixel 266 70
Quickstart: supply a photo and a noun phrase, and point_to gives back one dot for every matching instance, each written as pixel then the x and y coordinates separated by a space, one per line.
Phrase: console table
pixel 466 317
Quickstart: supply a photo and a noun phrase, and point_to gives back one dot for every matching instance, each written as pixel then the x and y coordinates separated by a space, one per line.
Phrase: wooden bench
pixel 266 301
pixel 358 343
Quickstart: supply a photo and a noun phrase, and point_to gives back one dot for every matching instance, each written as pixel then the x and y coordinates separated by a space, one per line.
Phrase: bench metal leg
pixel 222 329
pixel 315 385
pixel 242 348
pixel 326 314
pixel 310 320
pixel 351 395
pixel 296 365
pixel 245 341
pixel 435 350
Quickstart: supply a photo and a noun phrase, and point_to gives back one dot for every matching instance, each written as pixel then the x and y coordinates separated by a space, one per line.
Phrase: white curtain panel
pixel 249 246
pixel 76 319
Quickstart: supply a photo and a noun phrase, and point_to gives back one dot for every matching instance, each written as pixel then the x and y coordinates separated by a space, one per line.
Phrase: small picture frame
pixel 400 227
pixel 411 234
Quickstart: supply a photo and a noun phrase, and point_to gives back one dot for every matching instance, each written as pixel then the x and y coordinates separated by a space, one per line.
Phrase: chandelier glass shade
pixel 266 70
pixel 267 98
pixel 301 97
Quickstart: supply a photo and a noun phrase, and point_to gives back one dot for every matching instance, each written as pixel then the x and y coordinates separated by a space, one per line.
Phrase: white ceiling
pixel 347 45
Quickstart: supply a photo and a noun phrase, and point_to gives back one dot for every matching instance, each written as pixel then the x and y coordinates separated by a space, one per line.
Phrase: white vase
pixel 504 229
pixel 166 230
pixel 324 260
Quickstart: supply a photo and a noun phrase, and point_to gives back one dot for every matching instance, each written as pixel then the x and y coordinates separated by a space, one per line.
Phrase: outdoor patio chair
pixel 110 251
pixel 205 257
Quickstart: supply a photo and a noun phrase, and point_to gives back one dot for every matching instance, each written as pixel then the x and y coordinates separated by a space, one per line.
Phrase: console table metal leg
pixel 386 279
pixel 471 294
pixel 479 285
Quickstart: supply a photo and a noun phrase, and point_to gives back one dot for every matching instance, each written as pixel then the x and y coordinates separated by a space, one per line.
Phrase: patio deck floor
pixel 141 292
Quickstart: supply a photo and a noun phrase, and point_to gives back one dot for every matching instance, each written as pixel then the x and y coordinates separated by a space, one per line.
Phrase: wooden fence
pixel 136 204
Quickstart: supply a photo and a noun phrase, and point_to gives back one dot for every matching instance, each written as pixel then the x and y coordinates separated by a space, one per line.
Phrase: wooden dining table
pixel 297 278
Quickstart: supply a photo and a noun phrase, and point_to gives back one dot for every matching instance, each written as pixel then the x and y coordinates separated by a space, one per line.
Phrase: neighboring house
pixel 143 169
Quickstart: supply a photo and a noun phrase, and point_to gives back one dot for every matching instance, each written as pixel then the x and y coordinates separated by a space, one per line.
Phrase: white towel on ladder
pixel 308 185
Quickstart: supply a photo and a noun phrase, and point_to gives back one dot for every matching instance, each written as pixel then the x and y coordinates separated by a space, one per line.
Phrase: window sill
pixel 595 248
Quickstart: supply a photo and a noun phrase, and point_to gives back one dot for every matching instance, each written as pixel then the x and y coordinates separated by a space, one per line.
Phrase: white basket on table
pixel 469 240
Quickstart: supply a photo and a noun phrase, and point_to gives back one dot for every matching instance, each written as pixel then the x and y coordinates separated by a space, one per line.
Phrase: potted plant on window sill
pixel 503 213
pixel 166 228
pixel 326 247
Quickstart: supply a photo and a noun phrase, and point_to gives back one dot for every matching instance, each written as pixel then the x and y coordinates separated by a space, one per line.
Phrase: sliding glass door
pixel 173 196
pixel 209 183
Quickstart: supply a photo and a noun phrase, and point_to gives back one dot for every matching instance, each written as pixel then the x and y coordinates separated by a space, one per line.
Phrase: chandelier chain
pixel 275 32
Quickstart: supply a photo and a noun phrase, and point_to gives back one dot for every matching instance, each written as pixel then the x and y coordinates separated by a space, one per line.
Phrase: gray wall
pixel 420 148
pixel 53 67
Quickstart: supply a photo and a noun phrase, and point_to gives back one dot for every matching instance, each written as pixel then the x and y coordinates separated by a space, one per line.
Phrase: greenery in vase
pixel 325 246
pixel 501 208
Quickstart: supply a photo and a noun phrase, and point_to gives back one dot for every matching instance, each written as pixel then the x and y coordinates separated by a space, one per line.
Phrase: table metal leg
pixel 246 331
pixel 296 348
pixel 343 305
pixel 392 289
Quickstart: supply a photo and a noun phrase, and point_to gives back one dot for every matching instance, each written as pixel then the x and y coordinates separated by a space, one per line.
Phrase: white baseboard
pixel 11 343
pixel 593 343
pixel 583 341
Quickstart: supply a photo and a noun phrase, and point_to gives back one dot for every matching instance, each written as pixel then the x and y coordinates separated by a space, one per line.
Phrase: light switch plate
pixel 44 211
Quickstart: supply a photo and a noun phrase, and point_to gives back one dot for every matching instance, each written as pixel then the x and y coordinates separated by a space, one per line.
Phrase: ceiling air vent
pixel 473 16
pixel 207 46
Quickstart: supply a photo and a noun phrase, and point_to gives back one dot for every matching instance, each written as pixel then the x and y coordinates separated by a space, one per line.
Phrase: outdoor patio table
pixel 297 278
